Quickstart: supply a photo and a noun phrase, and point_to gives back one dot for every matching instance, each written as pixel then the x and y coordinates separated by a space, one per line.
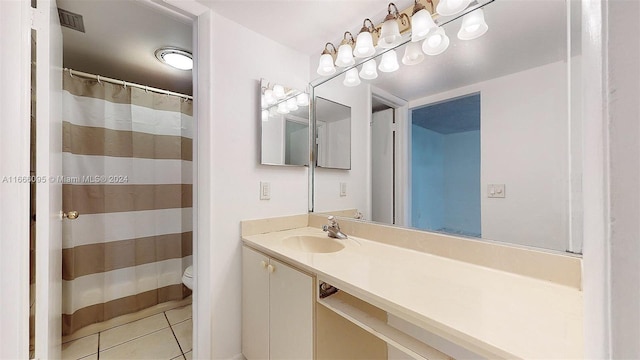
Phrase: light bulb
pixel 390 34
pixel 302 99
pixel 412 54
pixel 292 105
pixel 473 25
pixel 351 78
pixel 325 66
pixel 278 91
pixel 364 45
pixel 369 70
pixel 436 42
pixel 389 62
pixel 421 23
pixel 268 97
pixel 345 56
pixel 265 115
pixel 282 108
pixel 263 101
pixel 452 7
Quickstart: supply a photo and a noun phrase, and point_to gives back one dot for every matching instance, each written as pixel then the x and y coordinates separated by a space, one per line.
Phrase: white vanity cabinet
pixel 277 309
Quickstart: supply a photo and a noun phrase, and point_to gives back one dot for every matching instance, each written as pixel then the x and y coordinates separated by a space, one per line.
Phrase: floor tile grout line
pixel 174 335
pixel 134 338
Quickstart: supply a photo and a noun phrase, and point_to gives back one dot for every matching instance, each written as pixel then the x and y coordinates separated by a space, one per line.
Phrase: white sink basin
pixel 313 244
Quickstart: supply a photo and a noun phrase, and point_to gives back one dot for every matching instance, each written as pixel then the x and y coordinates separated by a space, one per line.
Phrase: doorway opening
pixel 445 166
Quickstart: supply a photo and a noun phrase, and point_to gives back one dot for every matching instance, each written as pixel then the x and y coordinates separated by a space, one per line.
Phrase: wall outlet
pixel 343 189
pixel 265 190
pixel 496 191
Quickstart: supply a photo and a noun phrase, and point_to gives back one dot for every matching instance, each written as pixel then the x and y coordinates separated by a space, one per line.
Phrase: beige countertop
pixel 494 313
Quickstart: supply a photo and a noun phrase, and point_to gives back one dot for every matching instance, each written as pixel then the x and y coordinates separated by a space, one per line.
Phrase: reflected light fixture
pixel 421 21
pixel 473 25
pixel 302 99
pixel 389 62
pixel 265 115
pixel 369 70
pixel 325 65
pixel 452 7
pixel 278 91
pixel 292 104
pixel 364 42
pixel 351 78
pixel 268 97
pixel 282 108
pixel 390 33
pixel 412 54
pixel 436 42
pixel 174 57
pixel 345 51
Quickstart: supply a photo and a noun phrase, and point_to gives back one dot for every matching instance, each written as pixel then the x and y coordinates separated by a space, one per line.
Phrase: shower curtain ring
pixel 124 84
pixel 146 89
pixel 70 72
pixel 98 76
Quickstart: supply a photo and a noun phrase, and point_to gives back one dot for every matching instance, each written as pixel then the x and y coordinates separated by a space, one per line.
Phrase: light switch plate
pixel 496 191
pixel 343 189
pixel 265 190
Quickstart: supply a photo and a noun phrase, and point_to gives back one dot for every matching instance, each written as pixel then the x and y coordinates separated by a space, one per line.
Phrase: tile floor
pixel 162 336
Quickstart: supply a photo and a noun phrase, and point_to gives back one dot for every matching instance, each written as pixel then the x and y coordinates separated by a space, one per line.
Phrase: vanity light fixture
pixel 412 54
pixel 345 51
pixel 473 25
pixel 364 42
pixel 390 33
pixel 369 70
pixel 436 42
pixel 302 99
pixel 389 62
pixel 452 7
pixel 282 108
pixel 292 104
pixel 351 78
pixel 268 97
pixel 278 91
pixel 174 57
pixel 421 21
pixel 325 66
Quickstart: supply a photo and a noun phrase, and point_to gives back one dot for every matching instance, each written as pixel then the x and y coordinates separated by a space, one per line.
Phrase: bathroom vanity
pixel 397 300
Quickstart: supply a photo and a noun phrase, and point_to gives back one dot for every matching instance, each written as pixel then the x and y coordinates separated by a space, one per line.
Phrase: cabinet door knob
pixel 71 215
pixel 263 263
pixel 271 268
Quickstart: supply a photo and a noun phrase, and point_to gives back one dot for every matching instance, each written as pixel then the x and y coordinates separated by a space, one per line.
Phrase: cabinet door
pixel 291 313
pixel 255 305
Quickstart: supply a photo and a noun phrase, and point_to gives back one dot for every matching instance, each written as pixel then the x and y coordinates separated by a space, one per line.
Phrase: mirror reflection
pixel 475 141
pixel 333 134
pixel 284 118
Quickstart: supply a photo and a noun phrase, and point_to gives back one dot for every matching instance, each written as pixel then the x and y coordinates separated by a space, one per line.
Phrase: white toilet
pixel 187 277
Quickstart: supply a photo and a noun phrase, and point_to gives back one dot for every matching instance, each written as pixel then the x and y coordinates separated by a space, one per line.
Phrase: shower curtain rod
pixel 125 83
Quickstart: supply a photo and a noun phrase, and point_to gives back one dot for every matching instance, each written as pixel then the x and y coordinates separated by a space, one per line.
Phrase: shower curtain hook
pixel 124 84
pixel 70 72
pixel 146 89
pixel 98 76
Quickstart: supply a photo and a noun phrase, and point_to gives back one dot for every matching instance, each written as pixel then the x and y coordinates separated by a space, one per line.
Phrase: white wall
pixel 624 147
pixel 240 58
pixel 524 145
pixel 327 181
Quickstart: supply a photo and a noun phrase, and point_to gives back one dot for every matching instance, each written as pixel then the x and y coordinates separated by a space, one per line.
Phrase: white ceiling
pixel 120 40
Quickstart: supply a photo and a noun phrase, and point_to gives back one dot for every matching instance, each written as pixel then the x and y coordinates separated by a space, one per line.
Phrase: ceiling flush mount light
pixel 325 65
pixel 421 21
pixel 473 25
pixel 452 7
pixel 179 59
pixel 364 42
pixel 436 42
pixel 345 51
pixel 390 33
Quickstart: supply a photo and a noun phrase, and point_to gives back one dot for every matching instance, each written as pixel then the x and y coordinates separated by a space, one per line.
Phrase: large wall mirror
pixel 284 124
pixel 478 141
pixel 333 134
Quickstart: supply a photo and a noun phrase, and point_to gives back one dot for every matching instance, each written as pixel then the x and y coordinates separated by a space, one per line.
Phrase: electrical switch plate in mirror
pixel 496 191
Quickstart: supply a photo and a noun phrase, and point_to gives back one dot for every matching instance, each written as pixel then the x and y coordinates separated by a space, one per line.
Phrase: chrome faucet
pixel 333 229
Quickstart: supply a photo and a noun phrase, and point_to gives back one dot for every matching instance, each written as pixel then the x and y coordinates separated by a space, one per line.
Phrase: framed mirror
pixel 333 134
pixel 477 141
pixel 284 124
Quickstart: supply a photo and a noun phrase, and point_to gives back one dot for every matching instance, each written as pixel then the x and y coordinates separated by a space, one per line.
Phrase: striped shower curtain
pixel 127 160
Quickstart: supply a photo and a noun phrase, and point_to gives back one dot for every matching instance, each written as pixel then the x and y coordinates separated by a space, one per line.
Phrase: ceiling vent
pixel 71 20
